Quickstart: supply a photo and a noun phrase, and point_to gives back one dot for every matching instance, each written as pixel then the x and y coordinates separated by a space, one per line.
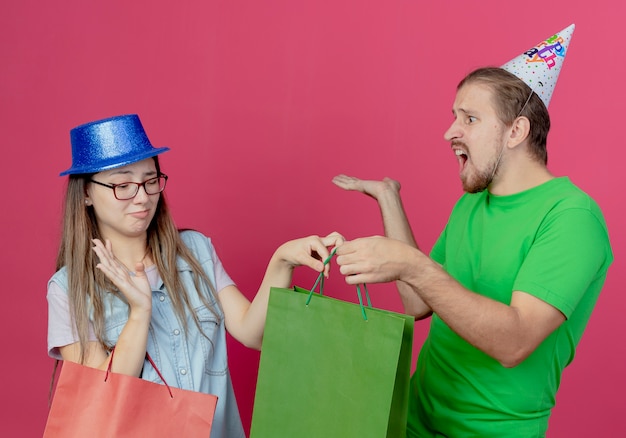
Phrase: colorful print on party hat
pixel 540 66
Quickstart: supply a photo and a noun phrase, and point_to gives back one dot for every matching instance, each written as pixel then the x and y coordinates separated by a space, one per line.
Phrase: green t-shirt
pixel 551 242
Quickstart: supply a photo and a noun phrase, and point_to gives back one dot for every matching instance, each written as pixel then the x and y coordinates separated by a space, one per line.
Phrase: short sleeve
pixel 61 329
pixel 438 251
pixel 571 251
pixel 222 279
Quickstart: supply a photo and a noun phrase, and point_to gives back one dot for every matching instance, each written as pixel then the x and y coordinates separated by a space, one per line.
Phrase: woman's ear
pixel 519 131
pixel 87 198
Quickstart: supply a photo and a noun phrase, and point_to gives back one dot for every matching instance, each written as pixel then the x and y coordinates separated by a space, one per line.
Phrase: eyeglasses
pixel 128 190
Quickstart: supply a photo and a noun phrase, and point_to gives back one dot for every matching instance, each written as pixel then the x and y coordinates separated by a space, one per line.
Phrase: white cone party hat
pixel 539 67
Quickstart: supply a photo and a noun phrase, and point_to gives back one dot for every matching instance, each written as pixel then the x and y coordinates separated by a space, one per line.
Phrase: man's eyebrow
pixel 460 110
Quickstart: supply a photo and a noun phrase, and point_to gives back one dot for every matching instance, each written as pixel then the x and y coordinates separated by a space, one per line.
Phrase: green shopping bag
pixel 331 369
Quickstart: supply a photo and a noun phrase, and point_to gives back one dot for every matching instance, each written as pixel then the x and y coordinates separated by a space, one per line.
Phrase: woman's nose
pixel 141 195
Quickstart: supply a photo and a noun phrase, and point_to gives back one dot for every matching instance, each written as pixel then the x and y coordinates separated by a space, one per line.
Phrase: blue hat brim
pixel 115 162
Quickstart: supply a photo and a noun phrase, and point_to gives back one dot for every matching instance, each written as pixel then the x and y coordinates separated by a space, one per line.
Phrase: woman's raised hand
pixel 133 285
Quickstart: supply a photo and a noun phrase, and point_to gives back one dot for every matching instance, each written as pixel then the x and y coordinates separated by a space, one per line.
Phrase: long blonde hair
pixel 87 285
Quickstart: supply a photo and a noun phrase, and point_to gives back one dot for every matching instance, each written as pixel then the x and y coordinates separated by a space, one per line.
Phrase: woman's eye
pixel 471 119
pixel 122 186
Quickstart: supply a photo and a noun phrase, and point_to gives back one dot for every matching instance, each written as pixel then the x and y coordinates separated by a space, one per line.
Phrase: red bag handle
pixel 151 363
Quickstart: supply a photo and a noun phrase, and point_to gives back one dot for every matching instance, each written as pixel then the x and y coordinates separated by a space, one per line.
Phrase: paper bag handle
pixel 106 376
pixel 320 281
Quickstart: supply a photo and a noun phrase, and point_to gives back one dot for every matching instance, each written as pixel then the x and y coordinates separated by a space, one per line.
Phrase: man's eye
pixel 471 119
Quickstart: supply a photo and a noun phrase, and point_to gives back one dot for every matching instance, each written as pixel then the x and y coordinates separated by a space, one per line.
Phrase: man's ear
pixel 519 131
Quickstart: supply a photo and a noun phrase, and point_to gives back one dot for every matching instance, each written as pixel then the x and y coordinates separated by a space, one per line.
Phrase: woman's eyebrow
pixel 128 172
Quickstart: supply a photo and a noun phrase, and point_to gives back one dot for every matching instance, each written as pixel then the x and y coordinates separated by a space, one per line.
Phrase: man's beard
pixel 481 180
pixel 477 183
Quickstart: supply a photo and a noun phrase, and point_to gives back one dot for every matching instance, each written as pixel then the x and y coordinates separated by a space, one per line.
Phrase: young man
pixel 513 278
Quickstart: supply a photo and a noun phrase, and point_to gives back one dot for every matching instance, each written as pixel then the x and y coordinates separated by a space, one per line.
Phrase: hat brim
pixel 114 163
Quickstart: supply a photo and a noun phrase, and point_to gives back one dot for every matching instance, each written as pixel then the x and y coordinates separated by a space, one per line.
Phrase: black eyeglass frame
pixel 141 184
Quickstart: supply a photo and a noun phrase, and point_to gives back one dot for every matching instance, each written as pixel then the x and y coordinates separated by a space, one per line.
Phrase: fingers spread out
pixel 347 182
pixel 108 264
pixel 105 255
pixel 133 285
pixel 375 189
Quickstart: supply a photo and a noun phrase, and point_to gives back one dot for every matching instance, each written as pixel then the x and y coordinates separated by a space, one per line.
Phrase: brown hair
pixel 513 98
pixel 87 285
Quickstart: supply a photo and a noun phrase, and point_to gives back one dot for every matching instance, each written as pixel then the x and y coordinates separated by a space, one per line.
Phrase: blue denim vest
pixel 187 360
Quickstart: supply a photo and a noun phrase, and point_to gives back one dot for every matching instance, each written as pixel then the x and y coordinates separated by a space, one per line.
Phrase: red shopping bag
pixel 93 403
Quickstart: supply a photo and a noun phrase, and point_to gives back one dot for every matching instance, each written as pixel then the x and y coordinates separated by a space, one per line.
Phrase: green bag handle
pixel 320 281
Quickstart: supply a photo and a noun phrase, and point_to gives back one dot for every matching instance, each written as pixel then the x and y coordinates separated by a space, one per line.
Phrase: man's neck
pixel 520 176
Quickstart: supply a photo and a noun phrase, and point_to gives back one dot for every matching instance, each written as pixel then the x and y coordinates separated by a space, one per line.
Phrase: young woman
pixel 128 279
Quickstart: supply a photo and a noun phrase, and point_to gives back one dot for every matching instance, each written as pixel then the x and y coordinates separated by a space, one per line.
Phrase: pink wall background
pixel 262 104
